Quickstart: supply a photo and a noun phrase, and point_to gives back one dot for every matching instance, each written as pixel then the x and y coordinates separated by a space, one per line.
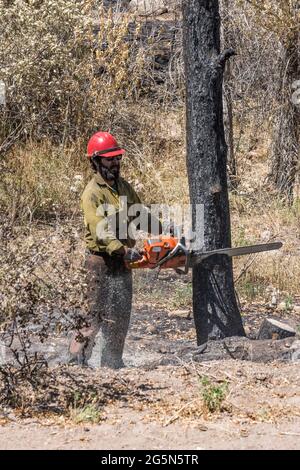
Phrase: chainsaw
pixel 172 253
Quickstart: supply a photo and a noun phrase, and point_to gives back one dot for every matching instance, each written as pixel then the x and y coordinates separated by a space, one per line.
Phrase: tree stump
pixel 244 349
pixel 274 329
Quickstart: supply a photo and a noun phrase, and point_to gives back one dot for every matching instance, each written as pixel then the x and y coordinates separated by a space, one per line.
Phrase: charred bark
pixel 216 312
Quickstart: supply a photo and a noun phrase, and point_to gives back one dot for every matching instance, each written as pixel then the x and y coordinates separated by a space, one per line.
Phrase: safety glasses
pixel 113 159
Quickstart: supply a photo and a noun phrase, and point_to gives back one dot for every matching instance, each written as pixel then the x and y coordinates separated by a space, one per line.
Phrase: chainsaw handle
pixel 141 263
pixel 132 255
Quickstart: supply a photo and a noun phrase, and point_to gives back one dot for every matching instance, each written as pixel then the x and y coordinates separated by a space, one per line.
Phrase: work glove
pixel 132 255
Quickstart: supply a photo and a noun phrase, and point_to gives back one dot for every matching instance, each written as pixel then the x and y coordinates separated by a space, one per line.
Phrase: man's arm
pixel 154 223
pixel 97 224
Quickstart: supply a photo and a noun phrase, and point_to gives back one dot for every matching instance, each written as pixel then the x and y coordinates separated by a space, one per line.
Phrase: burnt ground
pixel 168 395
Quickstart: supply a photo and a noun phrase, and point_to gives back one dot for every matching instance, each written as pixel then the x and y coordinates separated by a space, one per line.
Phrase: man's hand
pixel 132 254
pixel 121 251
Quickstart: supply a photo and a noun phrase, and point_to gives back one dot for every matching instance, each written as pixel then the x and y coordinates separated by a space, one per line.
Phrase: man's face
pixel 110 167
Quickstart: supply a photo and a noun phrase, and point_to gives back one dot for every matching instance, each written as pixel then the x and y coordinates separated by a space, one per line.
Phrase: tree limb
pixel 224 56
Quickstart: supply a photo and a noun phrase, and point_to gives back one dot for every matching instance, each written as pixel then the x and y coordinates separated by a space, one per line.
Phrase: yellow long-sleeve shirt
pixel 99 203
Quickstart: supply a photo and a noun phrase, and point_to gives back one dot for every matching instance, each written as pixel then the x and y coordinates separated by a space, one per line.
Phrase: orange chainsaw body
pixel 155 250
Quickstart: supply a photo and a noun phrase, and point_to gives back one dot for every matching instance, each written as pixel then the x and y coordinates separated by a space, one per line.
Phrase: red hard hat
pixel 103 144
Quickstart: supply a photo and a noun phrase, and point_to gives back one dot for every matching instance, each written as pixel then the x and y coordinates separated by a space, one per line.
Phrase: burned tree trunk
pixel 216 312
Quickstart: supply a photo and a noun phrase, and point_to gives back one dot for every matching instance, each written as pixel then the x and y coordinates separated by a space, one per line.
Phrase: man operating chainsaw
pixel 107 250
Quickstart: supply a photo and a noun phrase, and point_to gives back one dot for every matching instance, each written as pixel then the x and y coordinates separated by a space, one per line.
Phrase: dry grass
pixel 41 181
pixel 258 215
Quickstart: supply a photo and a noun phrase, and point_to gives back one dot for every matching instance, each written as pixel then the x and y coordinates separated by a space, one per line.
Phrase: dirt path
pixel 133 434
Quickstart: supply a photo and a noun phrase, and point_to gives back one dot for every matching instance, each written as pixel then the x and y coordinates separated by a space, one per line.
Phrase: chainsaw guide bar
pixel 172 253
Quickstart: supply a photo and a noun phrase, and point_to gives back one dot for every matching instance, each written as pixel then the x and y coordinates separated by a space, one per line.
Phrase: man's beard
pixel 112 174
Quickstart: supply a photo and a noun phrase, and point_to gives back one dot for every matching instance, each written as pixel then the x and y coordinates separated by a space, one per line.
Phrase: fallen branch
pixel 177 415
